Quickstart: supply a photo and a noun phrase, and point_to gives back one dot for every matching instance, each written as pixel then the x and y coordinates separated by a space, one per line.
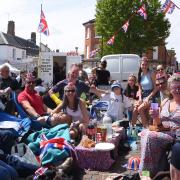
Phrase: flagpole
pixel 39 61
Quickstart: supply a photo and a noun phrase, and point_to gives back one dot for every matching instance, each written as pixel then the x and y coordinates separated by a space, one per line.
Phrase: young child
pixel 118 102
pixel 131 92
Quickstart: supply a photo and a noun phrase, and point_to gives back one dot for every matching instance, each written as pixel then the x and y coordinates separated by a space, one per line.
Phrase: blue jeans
pixel 175 158
pixel 129 115
pixel 7 172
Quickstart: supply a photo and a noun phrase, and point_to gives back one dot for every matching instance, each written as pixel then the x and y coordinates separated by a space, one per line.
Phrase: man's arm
pixel 97 92
pixel 46 109
pixel 29 109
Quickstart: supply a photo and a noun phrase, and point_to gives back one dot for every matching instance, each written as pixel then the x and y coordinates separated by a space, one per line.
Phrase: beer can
pixel 98 137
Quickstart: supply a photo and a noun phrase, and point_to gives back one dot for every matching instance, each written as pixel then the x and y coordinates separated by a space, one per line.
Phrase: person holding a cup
pixel 154 143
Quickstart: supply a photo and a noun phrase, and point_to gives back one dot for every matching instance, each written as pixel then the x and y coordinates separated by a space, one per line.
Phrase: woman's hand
pixel 154 113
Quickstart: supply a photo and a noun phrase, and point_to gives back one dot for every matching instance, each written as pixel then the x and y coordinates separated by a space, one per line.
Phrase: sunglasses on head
pixel 70 90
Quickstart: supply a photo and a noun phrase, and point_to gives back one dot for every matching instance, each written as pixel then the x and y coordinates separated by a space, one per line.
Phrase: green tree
pixel 141 34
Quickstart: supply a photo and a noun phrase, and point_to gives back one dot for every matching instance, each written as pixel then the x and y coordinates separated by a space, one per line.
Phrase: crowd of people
pixel 67 101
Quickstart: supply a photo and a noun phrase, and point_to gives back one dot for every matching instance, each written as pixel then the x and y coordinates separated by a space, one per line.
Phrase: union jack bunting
pixel 142 11
pixel 168 7
pixel 111 41
pixel 40 172
pixel 125 26
pixel 94 52
pixel 43 26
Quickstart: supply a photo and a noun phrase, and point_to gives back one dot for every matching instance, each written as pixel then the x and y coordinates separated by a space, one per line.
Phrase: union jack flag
pixel 43 26
pixel 125 26
pixel 168 7
pixel 142 11
pixel 111 41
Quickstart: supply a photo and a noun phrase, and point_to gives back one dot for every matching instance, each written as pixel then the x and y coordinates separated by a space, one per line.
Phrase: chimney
pixel 11 28
pixel 57 50
pixel 33 37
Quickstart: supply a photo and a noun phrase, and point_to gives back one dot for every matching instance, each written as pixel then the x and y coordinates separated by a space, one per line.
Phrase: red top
pixel 34 99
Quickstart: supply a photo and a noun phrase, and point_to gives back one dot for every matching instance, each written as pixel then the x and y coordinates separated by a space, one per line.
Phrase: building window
pixel 88 33
pixel 14 54
pixel 23 54
pixel 97 36
pixel 87 52
pixel 155 53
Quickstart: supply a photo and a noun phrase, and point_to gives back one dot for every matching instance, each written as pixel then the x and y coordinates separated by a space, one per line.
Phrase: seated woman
pixel 131 91
pixel 154 144
pixel 74 107
pixel 147 90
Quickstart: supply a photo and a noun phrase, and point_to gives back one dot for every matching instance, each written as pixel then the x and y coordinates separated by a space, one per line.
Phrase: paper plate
pixel 104 146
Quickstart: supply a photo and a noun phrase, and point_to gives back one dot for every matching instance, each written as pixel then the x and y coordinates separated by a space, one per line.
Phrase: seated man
pixel 82 87
pixel 32 102
pixel 7 85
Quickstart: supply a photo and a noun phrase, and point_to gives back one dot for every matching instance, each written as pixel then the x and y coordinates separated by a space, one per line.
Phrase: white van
pixel 122 65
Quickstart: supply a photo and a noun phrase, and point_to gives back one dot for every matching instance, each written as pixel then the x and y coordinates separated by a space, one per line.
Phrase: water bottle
pixel 109 130
pixel 134 134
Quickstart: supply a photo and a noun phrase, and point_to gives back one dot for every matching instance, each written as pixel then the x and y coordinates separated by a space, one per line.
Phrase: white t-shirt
pixel 116 106
pixel 40 89
pixel 76 115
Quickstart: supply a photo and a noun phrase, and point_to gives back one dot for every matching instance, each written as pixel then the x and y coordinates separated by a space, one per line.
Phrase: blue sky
pixel 65 19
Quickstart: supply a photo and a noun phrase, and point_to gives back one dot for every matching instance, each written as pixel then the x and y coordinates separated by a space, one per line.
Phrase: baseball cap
pixel 116 84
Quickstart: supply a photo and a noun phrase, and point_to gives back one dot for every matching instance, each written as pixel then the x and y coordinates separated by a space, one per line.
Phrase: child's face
pixel 117 91
pixel 131 81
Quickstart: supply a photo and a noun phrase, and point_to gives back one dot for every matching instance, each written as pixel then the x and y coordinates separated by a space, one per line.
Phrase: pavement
pixel 117 169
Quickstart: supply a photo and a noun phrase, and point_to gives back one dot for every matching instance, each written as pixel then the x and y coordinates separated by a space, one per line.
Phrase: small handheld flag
pixel 43 26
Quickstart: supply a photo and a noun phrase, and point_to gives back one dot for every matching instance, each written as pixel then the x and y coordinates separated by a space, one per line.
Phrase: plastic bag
pixel 24 153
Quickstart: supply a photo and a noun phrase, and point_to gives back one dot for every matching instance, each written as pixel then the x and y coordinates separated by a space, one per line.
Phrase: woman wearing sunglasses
pixel 73 106
pixel 154 144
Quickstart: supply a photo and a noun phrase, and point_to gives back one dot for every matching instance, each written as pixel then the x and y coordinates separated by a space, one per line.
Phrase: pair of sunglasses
pixel 30 82
pixel 70 90
pixel 157 84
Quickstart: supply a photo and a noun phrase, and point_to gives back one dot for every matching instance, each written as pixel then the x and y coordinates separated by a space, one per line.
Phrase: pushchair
pixel 98 109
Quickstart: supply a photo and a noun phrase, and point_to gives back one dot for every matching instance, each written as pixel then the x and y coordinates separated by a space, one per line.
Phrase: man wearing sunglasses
pixel 33 104
pixel 161 84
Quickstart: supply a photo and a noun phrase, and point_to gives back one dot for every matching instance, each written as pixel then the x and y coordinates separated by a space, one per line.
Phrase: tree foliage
pixel 141 34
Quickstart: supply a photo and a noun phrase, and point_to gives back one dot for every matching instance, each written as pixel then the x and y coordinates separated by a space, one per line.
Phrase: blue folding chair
pixel 19 108
pixel 22 114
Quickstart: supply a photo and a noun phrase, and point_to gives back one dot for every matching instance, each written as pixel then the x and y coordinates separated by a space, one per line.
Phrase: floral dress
pixel 154 144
